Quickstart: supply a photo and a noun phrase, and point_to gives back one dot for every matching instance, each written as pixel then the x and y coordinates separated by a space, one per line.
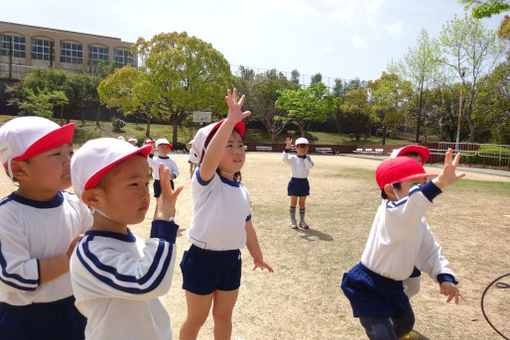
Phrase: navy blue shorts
pixel 204 271
pixel 416 272
pixel 298 187
pixel 59 320
pixel 371 294
pixel 157 187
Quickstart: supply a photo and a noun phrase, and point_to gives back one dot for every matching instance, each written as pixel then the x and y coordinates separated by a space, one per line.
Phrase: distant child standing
pixel 298 187
pixel 221 224
pixel 39 227
pixel 118 278
pixel 399 239
pixel 163 147
pixel 193 159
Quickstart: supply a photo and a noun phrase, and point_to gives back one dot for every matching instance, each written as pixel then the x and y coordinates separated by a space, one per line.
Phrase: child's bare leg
pixel 198 310
pixel 224 302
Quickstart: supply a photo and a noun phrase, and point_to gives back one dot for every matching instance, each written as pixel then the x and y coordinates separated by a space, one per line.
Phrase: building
pixel 23 47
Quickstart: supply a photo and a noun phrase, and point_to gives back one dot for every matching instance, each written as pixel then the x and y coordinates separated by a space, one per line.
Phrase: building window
pixel 97 54
pixel 71 52
pixel 18 45
pixel 123 57
pixel 42 49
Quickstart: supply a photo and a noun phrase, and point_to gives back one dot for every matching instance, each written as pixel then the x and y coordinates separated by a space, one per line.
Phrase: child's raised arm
pixel 448 175
pixel 216 147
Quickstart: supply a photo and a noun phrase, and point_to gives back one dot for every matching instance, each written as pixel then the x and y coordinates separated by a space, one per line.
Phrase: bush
pixel 180 146
pixel 118 124
pixel 489 155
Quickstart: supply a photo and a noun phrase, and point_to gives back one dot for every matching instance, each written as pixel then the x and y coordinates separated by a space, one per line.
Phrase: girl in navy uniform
pixel 221 224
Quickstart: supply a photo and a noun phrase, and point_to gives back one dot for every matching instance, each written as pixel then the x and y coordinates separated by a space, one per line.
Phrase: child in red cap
pixel 39 227
pixel 399 239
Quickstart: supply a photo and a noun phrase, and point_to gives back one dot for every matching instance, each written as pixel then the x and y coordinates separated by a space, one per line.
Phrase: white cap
pixel 198 146
pixel 133 140
pixel 162 141
pixel 423 151
pixel 121 138
pixel 302 140
pixel 25 137
pixel 96 157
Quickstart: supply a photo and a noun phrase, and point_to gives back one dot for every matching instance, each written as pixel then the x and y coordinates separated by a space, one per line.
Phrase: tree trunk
pixel 418 115
pixel 302 129
pixel 174 132
pixel 383 142
pixel 62 114
pixel 148 129
pixel 469 120
pixel 98 116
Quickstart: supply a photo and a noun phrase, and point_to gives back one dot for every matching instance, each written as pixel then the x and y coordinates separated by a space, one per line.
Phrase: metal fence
pixel 487 155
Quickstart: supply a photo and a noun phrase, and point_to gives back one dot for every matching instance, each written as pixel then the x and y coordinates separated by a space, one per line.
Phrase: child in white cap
pixel 133 141
pixel 298 187
pixel 192 160
pixel 39 227
pixel 118 278
pixel 399 239
pixel 221 224
pixel 163 148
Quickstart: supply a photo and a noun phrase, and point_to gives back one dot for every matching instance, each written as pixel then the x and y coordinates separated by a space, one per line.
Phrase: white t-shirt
pixel 300 166
pixel 31 230
pixel 168 162
pixel 118 280
pixel 400 237
pixel 222 208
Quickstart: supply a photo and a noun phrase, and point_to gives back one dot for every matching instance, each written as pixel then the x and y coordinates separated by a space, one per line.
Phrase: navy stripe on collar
pixel 129 237
pixel 229 182
pixel 164 157
pixel 56 202
pixel 304 156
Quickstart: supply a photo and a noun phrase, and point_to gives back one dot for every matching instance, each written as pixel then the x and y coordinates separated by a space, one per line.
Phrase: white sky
pixel 338 38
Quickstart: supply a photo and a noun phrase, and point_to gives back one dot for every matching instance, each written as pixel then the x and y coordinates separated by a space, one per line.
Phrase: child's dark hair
pixel 411 154
pixel 237 175
pixel 396 185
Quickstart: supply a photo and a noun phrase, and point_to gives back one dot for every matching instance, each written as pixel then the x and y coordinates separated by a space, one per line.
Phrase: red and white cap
pixel 399 169
pixel 25 137
pixel 198 146
pixel 133 140
pixel 163 141
pixel 96 157
pixel 302 140
pixel 423 151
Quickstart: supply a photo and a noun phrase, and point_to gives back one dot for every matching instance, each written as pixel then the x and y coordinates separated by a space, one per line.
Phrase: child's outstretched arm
pixel 252 243
pixel 448 175
pixel 215 149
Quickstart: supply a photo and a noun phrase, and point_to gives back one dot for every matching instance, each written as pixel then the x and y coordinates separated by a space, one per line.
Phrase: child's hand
pixel 448 175
pixel 235 111
pixel 452 291
pixel 73 244
pixel 166 202
pixel 260 263
pixel 288 143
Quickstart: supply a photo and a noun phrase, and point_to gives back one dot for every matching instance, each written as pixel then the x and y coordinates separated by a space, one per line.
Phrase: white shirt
pixel 168 162
pixel 400 238
pixel 222 208
pixel 300 166
pixel 118 281
pixel 31 230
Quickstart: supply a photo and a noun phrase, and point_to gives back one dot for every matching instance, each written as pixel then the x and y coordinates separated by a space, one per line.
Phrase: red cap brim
pixel 423 151
pixel 98 176
pixel 51 140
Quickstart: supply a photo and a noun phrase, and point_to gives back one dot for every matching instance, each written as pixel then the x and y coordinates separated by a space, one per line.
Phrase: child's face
pixel 302 149
pixel 48 171
pixel 234 155
pixel 124 191
pixel 406 185
pixel 164 149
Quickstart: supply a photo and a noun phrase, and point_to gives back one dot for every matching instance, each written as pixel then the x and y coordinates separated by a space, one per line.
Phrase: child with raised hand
pixel 221 224
pixel 39 227
pixel 399 239
pixel 118 278
pixel 298 187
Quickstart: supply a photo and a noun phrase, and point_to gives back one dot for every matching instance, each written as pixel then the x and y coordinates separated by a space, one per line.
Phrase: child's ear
pixel 388 190
pixel 18 169
pixel 92 197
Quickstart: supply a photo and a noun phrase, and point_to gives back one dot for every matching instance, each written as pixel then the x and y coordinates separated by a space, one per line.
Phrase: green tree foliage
pixel 316 78
pixel 471 50
pixel 354 113
pixel 304 106
pixel 485 8
pixel 294 76
pixel 187 74
pixel 389 95
pixel 43 103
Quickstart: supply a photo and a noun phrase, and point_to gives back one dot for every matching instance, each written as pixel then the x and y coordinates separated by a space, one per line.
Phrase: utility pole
pixel 457 141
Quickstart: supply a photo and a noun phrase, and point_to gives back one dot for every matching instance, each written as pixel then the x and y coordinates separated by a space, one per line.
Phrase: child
pixel 163 147
pixel 417 152
pixel 193 159
pixel 399 239
pixel 298 185
pixel 133 141
pixel 150 142
pixel 39 227
pixel 221 224
pixel 117 278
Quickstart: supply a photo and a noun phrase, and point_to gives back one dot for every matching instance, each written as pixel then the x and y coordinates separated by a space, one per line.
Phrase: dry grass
pixel 303 300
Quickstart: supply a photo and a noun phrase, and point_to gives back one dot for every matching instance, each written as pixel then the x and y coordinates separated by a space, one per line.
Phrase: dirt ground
pixel 303 300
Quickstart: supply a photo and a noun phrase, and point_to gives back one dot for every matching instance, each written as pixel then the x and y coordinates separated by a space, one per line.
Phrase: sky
pixel 338 38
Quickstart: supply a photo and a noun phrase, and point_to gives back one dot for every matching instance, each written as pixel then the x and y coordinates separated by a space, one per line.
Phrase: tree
pixel 485 8
pixel 389 95
pixel 420 66
pixel 472 52
pixel 187 74
pixel 316 78
pixel 355 112
pixel 43 103
pixel 306 105
pixel 294 76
